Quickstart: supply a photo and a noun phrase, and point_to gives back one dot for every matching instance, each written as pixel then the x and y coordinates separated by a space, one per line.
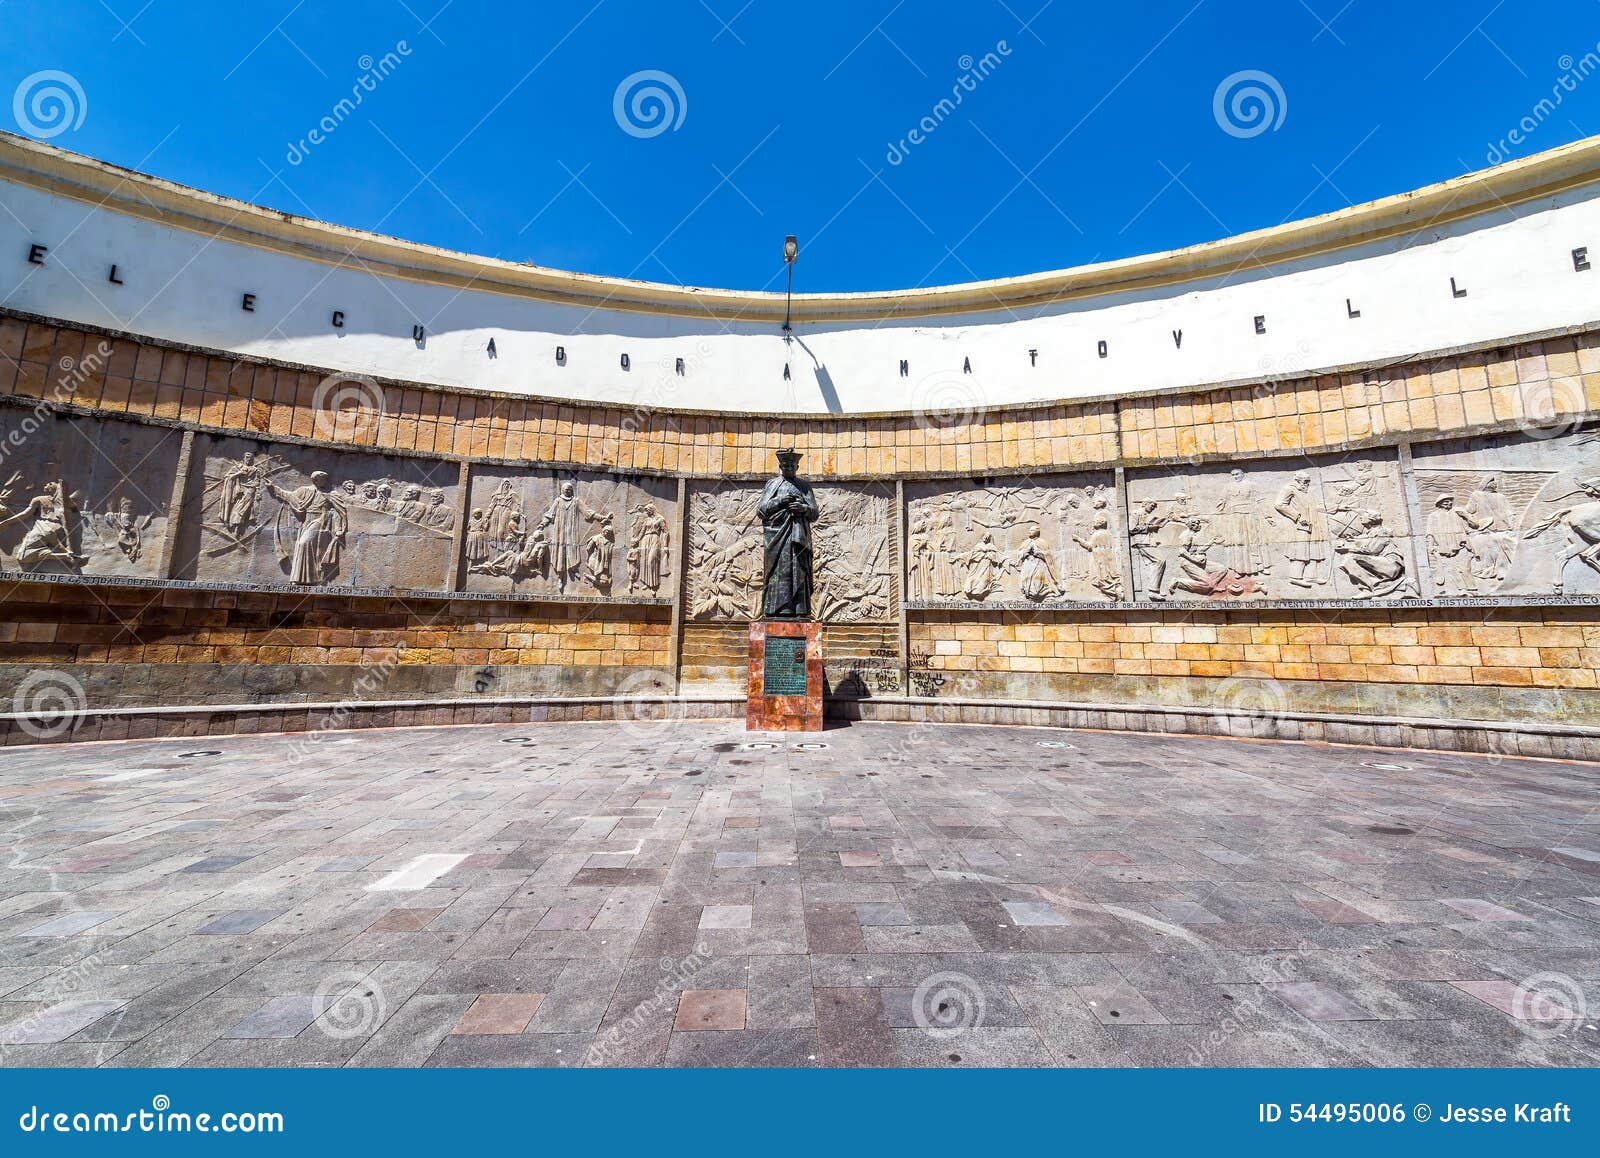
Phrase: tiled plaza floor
pixel 666 894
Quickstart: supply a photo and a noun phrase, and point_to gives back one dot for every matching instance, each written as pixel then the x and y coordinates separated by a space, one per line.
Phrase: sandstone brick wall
pixel 132 645
pixel 1535 382
pixel 141 646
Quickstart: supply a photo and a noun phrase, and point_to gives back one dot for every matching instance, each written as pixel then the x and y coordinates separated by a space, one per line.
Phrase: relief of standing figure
pixel 563 523
pixel 1038 579
pixel 313 558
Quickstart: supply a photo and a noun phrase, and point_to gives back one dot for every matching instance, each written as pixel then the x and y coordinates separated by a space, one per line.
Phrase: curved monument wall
pixel 1219 560
pixel 1393 549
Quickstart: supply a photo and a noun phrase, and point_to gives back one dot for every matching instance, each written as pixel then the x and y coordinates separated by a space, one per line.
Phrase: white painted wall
pixel 1516 266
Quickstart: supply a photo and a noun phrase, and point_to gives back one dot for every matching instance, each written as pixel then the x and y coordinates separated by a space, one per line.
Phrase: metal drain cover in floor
pixel 811 746
pixel 1055 744
pixel 516 739
pixel 202 752
pixel 1382 766
pixel 759 746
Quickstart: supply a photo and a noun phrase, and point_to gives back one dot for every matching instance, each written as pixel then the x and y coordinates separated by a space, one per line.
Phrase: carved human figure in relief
pixel 1369 557
pixel 1582 525
pixel 504 506
pixel 508 560
pixel 437 514
pixel 1307 552
pixel 1107 576
pixel 313 556
pixel 478 552
pixel 562 523
pixel 50 538
pixel 984 564
pixel 1493 536
pixel 1194 560
pixel 127 529
pixel 919 565
pixel 1448 554
pixel 647 549
pixel 411 506
pixel 1239 530
pixel 1037 577
pixel 947 578
pixel 597 554
pixel 240 485
pixel 1144 533
pixel 787 508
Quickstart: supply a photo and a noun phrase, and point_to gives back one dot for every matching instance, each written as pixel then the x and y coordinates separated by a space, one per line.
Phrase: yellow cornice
pixel 41 166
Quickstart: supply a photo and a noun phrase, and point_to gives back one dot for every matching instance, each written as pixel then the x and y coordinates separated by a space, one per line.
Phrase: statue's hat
pixel 790 457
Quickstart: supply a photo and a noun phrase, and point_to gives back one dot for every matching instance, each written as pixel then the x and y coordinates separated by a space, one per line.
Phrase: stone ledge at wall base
pixel 785 689
pixel 1542 740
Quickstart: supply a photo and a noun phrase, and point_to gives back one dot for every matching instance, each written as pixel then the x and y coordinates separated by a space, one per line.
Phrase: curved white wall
pixel 1515 264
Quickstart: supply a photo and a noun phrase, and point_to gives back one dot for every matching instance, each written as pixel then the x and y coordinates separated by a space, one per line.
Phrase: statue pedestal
pixel 785 676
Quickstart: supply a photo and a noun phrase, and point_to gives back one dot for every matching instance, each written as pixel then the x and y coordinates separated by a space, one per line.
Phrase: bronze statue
pixel 787 510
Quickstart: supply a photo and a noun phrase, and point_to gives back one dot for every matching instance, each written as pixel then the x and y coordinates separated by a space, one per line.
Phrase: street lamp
pixel 791 250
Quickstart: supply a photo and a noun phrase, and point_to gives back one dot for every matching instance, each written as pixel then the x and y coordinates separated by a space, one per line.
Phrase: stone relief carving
pixel 316 518
pixel 549 534
pixel 855 563
pixel 1509 516
pixel 1306 530
pixel 1047 542
pixel 81 497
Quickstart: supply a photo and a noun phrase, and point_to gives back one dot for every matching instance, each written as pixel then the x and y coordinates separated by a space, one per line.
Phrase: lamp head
pixel 791 248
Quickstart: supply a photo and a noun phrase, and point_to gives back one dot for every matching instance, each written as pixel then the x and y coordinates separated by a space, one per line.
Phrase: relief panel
pixel 855 564
pixel 573 535
pixel 1511 516
pixel 1050 541
pixel 258 512
pixel 1287 529
pixel 84 497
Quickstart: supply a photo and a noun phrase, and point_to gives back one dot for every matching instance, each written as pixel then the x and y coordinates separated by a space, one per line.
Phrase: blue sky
pixel 1092 133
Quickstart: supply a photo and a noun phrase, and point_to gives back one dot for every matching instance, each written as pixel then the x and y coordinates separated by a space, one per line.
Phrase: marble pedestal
pixel 785 676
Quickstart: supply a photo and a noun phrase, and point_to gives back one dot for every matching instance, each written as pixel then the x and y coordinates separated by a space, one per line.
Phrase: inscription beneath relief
pixel 783 669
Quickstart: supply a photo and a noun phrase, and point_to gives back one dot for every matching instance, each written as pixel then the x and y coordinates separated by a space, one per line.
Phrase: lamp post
pixel 791 250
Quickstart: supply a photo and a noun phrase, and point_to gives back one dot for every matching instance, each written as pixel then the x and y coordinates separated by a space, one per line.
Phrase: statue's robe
pixel 786 593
